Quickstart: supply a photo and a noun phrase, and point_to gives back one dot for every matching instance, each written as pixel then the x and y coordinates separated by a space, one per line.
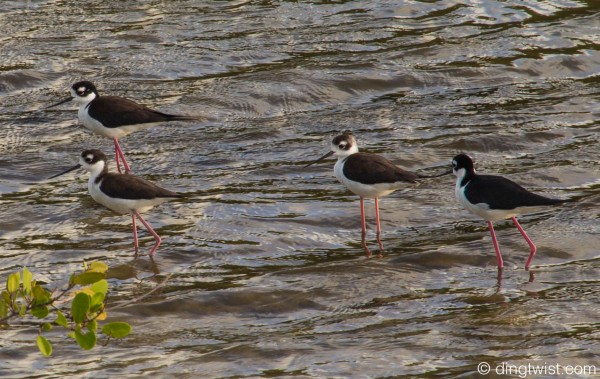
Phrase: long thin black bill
pixel 320 159
pixel 60 102
pixel 436 176
pixel 64 172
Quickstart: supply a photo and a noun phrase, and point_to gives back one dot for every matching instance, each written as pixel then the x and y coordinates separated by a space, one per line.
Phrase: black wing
pixel 131 187
pixel 501 193
pixel 114 111
pixel 372 169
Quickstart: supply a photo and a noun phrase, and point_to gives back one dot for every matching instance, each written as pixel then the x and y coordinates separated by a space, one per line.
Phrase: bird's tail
pixel 173 117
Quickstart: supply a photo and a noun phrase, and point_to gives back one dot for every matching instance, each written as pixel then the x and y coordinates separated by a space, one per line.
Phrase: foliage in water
pixel 87 290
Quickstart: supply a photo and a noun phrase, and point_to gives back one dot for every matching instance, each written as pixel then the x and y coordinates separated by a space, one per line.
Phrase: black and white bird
pixel 367 175
pixel 113 116
pixel 122 193
pixel 495 198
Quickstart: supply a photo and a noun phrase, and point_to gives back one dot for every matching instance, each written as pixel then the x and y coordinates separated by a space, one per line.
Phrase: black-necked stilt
pixel 367 175
pixel 113 116
pixel 122 193
pixel 495 198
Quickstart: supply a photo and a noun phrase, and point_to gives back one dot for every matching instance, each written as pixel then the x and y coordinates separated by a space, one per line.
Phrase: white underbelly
pixel 369 191
pixel 123 206
pixel 482 209
pixel 96 127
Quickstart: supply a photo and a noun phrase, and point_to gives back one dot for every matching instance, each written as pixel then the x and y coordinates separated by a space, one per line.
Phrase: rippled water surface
pixel 261 272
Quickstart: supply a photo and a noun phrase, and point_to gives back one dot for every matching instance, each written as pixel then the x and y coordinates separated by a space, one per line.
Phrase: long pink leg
pixel 498 255
pixel 156 236
pixel 364 227
pixel 378 228
pixel 529 241
pixel 117 147
pixel 119 151
pixel 117 159
pixel 135 236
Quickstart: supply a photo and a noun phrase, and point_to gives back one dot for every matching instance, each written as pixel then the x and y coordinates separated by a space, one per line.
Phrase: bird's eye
pixel 454 164
pixel 342 146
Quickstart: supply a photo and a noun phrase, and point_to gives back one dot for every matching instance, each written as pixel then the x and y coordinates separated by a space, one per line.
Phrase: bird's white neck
pixel 460 176
pixel 343 154
pixel 83 101
pixel 95 170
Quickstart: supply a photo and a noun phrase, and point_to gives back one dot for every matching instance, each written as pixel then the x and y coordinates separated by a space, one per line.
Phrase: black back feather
pixel 372 169
pixel 114 111
pixel 131 187
pixel 502 193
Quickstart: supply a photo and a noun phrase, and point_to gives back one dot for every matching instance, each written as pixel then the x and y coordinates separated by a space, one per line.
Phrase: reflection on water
pixel 261 272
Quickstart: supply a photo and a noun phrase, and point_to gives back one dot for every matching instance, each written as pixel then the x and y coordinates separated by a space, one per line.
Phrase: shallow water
pixel 261 273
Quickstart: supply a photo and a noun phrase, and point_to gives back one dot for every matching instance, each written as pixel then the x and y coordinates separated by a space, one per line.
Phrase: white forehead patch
pixel 89 157
pixel 81 89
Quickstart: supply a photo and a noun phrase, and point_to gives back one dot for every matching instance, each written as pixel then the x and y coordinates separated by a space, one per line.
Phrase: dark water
pixel 261 273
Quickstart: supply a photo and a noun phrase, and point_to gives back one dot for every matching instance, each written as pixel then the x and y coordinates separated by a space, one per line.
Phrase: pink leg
pixel 156 236
pixel 117 160
pixel 364 227
pixel 378 228
pixel 117 155
pixel 119 151
pixel 500 262
pixel 529 241
pixel 135 236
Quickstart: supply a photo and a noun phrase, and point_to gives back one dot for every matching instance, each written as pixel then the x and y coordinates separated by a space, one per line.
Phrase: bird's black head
pixel 462 162
pixel 342 146
pixel 84 89
pixel 91 160
pixel 344 143
pixel 93 156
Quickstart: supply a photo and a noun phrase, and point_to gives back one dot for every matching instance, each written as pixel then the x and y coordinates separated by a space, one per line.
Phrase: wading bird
pixel 122 193
pixel 368 176
pixel 495 198
pixel 113 116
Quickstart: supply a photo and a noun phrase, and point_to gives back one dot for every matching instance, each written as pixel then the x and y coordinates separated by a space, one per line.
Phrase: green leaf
pixel 97 302
pixel 40 311
pixel 98 267
pixel 6 297
pixel 3 308
pixel 27 279
pixel 61 319
pixel 44 346
pixel 116 329
pixel 40 295
pixel 100 286
pixel 88 277
pixel 13 281
pixel 86 341
pixel 92 326
pixel 47 326
pixel 80 307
